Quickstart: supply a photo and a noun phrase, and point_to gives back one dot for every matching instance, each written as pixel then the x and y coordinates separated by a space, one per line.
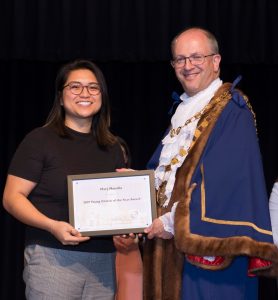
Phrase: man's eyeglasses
pixel 77 88
pixel 195 60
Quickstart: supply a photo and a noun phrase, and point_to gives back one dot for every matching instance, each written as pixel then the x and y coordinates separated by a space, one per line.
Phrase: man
pixel 214 219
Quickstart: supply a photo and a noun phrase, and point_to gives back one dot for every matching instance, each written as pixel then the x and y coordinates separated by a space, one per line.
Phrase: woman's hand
pixel 66 234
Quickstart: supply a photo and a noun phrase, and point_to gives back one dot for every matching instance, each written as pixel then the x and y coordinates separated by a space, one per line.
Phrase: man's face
pixel 195 78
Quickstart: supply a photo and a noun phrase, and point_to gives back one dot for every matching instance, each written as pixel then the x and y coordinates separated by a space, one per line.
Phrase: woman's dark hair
pixel 126 151
pixel 101 120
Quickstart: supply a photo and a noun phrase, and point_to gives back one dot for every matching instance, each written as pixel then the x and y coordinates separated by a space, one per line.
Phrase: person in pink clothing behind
pixel 129 266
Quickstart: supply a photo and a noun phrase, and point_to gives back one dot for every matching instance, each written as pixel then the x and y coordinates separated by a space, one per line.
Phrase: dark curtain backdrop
pixel 129 40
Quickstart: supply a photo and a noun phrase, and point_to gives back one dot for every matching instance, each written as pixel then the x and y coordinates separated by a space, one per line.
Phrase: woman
pixel 59 262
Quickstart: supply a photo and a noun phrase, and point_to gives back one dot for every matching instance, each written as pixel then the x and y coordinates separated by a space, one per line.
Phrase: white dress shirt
pixel 273 208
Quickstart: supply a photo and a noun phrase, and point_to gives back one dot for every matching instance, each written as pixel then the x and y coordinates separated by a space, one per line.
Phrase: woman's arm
pixel 15 201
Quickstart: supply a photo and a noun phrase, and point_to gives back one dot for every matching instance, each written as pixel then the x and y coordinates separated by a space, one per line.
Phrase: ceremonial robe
pixel 222 219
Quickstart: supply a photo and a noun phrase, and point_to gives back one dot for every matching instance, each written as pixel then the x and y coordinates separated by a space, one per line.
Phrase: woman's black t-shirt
pixel 46 158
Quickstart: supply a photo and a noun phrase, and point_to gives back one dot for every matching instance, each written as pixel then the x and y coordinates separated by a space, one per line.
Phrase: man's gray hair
pixel 211 37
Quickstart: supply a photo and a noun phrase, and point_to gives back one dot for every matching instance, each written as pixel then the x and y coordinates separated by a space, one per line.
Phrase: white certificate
pixel 111 203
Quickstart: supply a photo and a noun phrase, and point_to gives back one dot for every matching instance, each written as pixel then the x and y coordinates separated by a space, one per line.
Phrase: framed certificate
pixel 111 203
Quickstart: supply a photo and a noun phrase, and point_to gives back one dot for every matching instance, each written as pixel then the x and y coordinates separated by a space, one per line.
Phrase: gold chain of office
pixel 182 151
pixel 197 116
pixel 160 196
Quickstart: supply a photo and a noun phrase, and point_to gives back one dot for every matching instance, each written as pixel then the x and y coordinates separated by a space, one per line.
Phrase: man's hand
pixel 124 170
pixel 156 229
